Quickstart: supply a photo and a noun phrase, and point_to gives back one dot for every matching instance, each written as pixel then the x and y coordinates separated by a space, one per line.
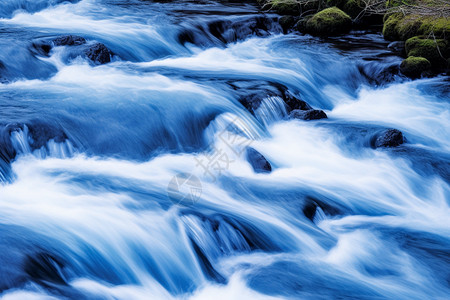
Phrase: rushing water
pixel 88 154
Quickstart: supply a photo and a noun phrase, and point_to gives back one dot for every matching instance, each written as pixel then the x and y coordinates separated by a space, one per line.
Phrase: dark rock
pixel 294 103
pixel 232 31
pixel 44 268
pixel 39 132
pixel 98 54
pixel 186 36
pixel 262 90
pixel 251 102
pixel 287 22
pixel 43 47
pixel 311 205
pixel 312 114
pixel 258 161
pixel 389 138
pixel 69 40
pixel 309 210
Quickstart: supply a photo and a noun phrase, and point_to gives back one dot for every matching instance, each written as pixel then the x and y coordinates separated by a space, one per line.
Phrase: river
pixel 93 158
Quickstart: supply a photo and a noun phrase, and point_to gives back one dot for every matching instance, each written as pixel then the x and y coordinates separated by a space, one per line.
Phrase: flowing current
pixel 93 159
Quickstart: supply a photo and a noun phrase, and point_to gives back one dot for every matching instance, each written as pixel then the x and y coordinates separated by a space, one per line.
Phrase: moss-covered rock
pixel 285 7
pixel 408 27
pixel 330 21
pixel 400 27
pixel 390 27
pixel 414 66
pixel 350 7
pixel 439 26
pixel 436 51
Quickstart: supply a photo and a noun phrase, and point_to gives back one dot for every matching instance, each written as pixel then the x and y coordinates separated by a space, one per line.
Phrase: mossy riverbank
pixel 423 25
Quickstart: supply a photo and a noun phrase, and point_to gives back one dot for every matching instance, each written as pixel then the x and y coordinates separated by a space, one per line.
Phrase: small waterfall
pixel 272 109
pixel 21 140
pixel 319 216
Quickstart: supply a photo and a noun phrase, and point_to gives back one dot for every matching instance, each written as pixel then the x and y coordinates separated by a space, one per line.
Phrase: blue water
pixel 88 155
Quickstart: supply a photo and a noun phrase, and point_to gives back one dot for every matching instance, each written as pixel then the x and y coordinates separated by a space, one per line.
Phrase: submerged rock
pixel 389 138
pixel 69 40
pixel 312 114
pixel 414 67
pixel 259 163
pixel 45 268
pixel 330 21
pixel 43 47
pixel 262 90
pixel 98 54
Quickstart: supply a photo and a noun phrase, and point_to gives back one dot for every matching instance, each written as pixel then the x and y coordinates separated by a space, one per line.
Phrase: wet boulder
pixel 260 90
pixel 69 40
pixel 43 47
pixel 44 268
pixel 290 7
pixel 311 114
pixel 259 163
pixel 240 29
pixel 414 67
pixel 312 206
pixel 98 53
pixel 389 138
pixel 330 21
pixel 294 103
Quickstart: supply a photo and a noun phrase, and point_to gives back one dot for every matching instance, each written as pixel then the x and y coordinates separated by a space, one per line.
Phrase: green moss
pixel 414 66
pixel 439 26
pixel 396 3
pixel 285 7
pixel 330 21
pixel 408 27
pixel 351 7
pixel 390 27
pixel 400 27
pixel 435 50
